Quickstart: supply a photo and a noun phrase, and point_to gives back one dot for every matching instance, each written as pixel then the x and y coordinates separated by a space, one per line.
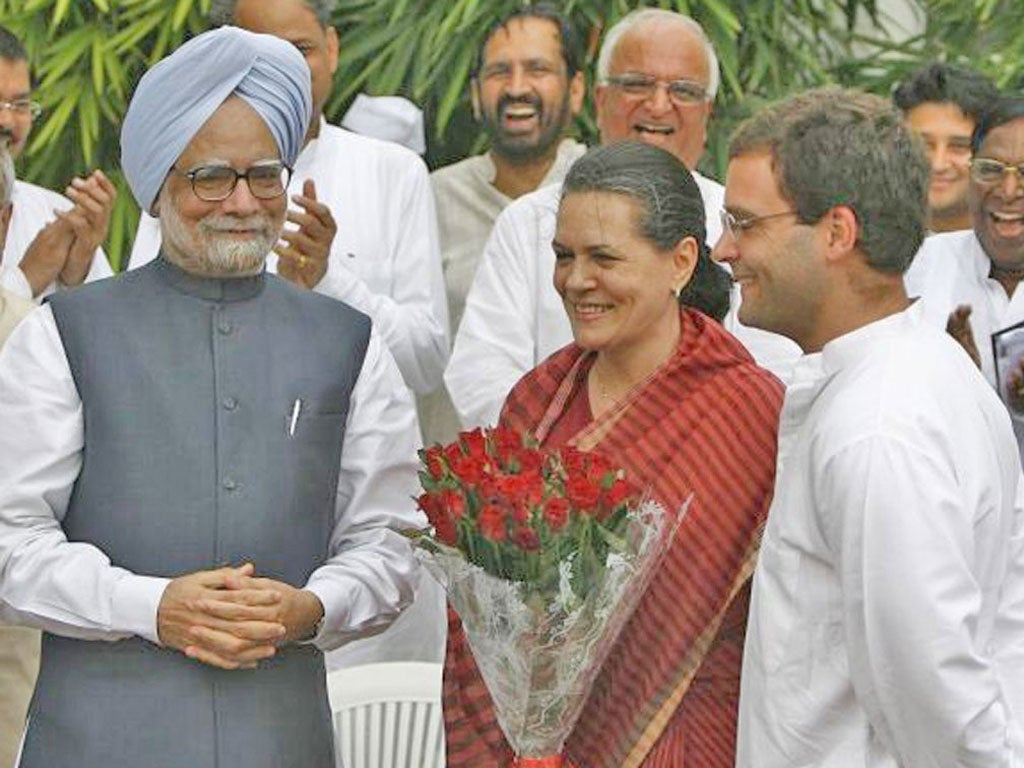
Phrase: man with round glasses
pixel 657 78
pixel 969 280
pixel 361 226
pixel 52 241
pixel 205 467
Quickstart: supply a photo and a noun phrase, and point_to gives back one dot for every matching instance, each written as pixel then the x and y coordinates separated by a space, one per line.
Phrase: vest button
pixel 229 403
pixel 224 327
pixel 229 484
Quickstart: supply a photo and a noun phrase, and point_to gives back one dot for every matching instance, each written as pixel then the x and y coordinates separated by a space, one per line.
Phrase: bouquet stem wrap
pixel 540 648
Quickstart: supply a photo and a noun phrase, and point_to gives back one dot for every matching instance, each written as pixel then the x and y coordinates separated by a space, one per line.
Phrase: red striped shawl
pixel 704 424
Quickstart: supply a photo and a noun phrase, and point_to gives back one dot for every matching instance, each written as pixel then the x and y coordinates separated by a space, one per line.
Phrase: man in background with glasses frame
pixel 52 241
pixel 969 281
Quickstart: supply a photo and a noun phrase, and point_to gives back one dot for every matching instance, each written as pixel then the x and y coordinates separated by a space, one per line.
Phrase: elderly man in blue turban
pixel 203 466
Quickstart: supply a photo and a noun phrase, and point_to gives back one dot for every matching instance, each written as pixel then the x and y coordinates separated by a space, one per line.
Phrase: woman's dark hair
pixel 671 208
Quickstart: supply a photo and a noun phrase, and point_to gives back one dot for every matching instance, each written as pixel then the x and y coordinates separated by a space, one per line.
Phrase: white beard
pixel 208 250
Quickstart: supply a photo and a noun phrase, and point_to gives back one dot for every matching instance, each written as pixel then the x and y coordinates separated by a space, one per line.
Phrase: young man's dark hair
pixel 945 83
pixel 572 50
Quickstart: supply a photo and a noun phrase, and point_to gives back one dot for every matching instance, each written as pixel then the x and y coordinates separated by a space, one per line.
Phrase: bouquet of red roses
pixel 544 555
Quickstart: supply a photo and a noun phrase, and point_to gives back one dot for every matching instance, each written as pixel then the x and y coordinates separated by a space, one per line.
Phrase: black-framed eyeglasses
pixel 214 183
pixel 23 107
pixel 736 227
pixel 682 92
pixel 988 171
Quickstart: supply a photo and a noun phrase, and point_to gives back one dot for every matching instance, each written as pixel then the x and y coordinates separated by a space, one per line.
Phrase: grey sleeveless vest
pixel 187 386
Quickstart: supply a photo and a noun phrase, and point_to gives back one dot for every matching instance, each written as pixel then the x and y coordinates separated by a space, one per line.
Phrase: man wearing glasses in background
pixel 52 241
pixel 970 280
pixel 657 78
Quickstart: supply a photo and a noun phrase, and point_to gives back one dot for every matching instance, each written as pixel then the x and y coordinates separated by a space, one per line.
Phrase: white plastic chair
pixel 387 715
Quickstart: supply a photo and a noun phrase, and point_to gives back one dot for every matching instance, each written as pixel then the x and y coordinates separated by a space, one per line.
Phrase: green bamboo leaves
pixel 88 54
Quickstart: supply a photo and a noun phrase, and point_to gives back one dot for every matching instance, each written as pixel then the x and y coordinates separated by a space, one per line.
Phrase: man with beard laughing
pixel 527 87
pixel 970 280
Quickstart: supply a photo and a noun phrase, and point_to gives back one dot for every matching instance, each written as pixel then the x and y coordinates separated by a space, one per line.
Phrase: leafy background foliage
pixel 87 56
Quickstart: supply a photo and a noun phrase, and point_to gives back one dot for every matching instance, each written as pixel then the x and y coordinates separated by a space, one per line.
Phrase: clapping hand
pixel 303 257
pixel 93 197
pixel 1015 388
pixel 959 327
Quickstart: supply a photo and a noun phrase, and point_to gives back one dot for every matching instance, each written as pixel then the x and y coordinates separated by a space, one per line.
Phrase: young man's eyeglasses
pixel 735 226
pixel 213 183
pixel 987 171
pixel 644 87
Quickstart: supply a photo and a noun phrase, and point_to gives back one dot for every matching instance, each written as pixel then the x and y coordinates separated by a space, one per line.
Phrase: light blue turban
pixel 177 96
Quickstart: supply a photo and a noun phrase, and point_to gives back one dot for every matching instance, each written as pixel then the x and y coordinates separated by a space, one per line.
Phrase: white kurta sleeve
pixel 912 609
pixel 413 316
pixel 46 581
pixel 496 341
pixel 146 245
pixel 13 280
pixel 371 573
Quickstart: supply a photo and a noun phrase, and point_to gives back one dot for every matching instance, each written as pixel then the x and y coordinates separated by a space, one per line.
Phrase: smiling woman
pixel 660 389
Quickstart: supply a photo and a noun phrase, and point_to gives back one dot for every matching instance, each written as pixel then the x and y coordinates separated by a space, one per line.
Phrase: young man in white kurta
pixel 513 317
pixel 887 620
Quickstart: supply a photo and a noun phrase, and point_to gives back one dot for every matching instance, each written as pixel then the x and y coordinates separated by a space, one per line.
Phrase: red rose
pixel 453 503
pixel 616 494
pixel 432 458
pixel 446 531
pixel 510 488
pixel 534 487
pixel 440 515
pixel 521 512
pixel 581 492
pixel 488 488
pixel 430 505
pixel 474 443
pixel 452 452
pixel 574 460
pixel 526 538
pixel 598 467
pixel 556 512
pixel 507 440
pixel 492 523
pixel 529 461
pixel 469 469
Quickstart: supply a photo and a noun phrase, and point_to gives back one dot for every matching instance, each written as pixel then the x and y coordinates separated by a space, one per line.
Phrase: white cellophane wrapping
pixel 539 653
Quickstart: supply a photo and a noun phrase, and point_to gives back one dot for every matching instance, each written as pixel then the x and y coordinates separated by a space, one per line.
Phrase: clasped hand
pixel 230 619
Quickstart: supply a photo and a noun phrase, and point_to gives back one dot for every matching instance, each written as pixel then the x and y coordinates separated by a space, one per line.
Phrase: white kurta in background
pixel 73 590
pixel 384 260
pixel 33 209
pixel 952 269
pixel 887 620
pixel 467 205
pixel 514 318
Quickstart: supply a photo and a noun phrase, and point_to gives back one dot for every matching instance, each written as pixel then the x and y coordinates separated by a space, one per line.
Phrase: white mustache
pixel 220 223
